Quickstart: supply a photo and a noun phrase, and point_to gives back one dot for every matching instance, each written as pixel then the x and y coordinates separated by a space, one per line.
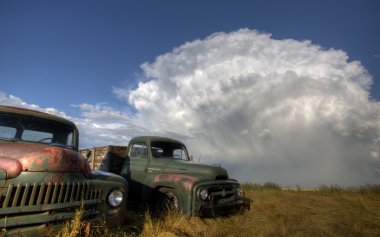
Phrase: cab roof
pixel 155 138
pixel 23 111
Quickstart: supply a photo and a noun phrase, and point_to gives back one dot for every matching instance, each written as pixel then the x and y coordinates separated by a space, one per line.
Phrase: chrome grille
pixel 221 191
pixel 219 195
pixel 28 194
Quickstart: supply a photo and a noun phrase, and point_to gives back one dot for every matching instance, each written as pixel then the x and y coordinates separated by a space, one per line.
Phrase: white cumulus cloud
pixel 98 124
pixel 102 125
pixel 11 100
pixel 286 111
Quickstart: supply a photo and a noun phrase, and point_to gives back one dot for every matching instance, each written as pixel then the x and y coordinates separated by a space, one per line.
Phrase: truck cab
pixel 44 179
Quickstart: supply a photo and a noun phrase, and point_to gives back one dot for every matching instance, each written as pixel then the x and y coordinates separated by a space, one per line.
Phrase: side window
pixel 179 154
pixel 138 150
pixel 157 152
pixel 70 141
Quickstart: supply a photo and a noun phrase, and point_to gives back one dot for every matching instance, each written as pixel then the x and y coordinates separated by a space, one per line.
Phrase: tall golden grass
pixel 327 211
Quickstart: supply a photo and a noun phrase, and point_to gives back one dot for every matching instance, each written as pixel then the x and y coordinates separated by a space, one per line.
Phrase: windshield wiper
pixel 60 145
pixel 10 139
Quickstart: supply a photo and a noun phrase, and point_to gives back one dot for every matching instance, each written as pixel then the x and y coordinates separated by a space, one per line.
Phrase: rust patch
pixel 40 157
pixel 179 179
pixel 11 166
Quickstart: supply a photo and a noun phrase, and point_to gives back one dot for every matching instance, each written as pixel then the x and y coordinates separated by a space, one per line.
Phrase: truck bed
pixel 95 155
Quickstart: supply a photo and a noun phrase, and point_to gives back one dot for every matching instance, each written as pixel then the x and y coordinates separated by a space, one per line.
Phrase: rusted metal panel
pixel 40 157
pixel 181 181
pixel 12 167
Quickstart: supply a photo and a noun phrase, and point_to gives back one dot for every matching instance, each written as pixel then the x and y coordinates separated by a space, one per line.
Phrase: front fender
pixel 107 176
pixel 114 217
pixel 182 183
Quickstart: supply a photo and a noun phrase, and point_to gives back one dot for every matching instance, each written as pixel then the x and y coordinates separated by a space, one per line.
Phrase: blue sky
pixel 59 53
pixel 282 91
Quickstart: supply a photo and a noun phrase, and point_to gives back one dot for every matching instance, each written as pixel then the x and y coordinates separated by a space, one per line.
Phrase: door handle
pixel 153 169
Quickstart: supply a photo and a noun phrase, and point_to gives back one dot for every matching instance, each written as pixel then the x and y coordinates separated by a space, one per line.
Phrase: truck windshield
pixel 16 127
pixel 169 150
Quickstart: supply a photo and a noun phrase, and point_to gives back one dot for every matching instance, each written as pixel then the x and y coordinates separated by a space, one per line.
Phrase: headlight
pixel 203 194
pixel 115 198
pixel 239 192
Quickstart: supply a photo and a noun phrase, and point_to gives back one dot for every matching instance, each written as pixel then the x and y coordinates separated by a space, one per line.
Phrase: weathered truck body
pixel 161 173
pixel 44 179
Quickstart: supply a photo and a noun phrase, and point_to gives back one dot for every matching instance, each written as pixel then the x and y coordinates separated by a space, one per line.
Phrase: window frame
pixel 142 153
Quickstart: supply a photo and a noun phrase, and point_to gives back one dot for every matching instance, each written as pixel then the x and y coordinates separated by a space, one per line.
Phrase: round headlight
pixel 203 194
pixel 115 198
pixel 239 192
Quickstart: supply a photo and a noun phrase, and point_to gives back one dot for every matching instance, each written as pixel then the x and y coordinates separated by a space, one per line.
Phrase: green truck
pixel 161 173
pixel 44 179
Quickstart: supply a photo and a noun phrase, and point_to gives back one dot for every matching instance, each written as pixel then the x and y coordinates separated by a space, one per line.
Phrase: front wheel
pixel 168 200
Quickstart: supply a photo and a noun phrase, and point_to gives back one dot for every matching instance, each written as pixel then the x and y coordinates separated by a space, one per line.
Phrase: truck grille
pixel 221 192
pixel 220 198
pixel 43 195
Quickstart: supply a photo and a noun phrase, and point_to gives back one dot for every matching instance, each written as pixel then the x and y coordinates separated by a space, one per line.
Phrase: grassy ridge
pixel 327 211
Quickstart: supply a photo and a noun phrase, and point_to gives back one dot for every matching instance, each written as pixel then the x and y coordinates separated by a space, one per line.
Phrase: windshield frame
pixel 172 146
pixel 61 134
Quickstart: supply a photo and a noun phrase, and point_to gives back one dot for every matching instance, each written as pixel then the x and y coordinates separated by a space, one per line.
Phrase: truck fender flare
pixel 170 195
pixel 156 191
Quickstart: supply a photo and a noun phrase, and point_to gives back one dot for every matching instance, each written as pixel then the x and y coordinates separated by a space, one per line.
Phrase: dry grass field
pixel 327 211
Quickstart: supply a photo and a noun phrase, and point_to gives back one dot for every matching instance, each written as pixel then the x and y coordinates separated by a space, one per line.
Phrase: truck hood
pixel 210 172
pixel 17 157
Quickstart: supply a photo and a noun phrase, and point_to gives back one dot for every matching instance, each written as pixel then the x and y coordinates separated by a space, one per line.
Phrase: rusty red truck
pixel 161 173
pixel 44 179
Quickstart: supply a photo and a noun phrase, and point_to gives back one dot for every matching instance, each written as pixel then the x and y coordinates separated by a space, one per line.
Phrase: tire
pixel 168 201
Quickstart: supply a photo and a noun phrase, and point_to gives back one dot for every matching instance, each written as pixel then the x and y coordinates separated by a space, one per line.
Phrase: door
pixel 134 169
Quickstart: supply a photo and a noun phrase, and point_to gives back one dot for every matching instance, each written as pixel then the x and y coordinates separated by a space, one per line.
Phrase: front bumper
pixel 209 209
pixel 224 197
